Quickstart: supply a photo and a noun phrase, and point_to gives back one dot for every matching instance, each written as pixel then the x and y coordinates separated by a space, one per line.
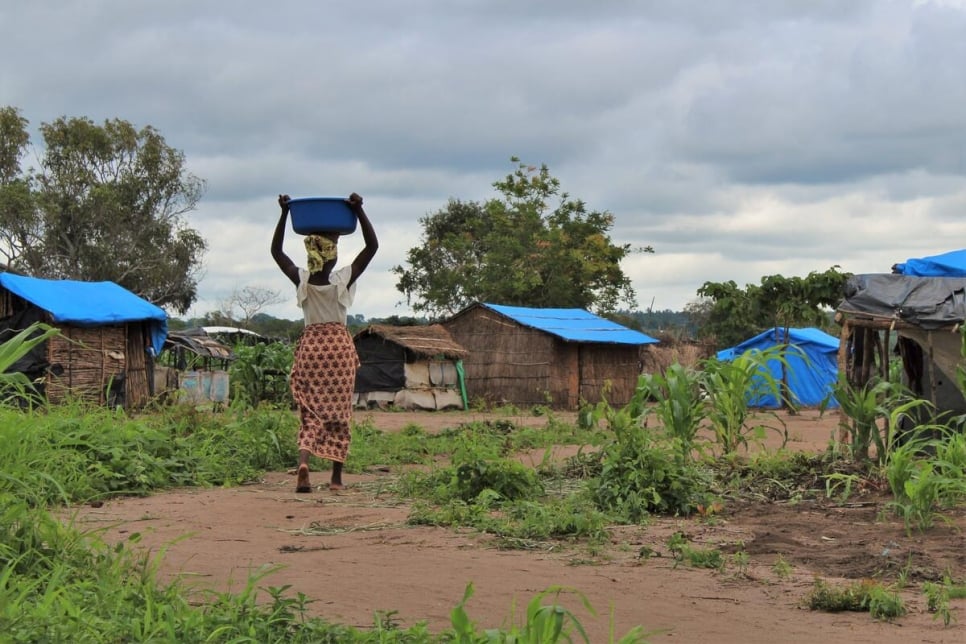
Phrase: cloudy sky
pixel 738 138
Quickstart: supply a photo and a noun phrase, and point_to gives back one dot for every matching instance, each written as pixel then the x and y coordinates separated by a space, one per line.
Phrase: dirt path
pixel 353 554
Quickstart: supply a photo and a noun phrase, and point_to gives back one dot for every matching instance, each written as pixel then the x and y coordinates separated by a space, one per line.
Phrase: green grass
pixel 58 584
pixel 866 595
pixel 79 453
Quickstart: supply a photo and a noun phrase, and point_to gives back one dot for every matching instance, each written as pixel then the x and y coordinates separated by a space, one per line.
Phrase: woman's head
pixel 320 249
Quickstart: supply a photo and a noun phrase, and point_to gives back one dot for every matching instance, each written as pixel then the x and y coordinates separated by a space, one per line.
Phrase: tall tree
pixel 17 215
pixel 107 204
pixel 518 249
pixel 244 303
pixel 737 314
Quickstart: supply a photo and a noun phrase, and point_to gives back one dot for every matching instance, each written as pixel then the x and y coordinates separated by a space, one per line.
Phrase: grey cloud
pixel 835 107
pixel 677 117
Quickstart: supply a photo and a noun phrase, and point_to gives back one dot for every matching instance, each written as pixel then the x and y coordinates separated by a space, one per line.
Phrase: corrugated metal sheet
pixel 573 325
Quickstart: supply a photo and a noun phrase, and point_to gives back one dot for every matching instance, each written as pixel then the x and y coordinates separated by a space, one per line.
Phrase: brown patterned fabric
pixel 323 378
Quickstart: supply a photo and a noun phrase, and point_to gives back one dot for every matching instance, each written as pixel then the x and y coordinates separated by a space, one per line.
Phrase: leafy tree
pixel 400 320
pixel 736 314
pixel 272 327
pixel 16 200
pixel 677 324
pixel 517 250
pixel 217 318
pixel 697 313
pixel 107 204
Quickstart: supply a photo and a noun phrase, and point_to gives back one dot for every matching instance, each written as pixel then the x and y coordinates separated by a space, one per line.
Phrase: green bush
pixel 259 374
pixel 646 471
pixel 730 386
pixel 465 481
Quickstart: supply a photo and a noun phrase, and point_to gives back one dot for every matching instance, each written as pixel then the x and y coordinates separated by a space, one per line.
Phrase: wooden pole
pixel 844 349
pixel 884 356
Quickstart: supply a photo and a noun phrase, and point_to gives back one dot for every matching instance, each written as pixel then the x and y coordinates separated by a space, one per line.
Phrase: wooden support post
pixel 884 356
pixel 844 350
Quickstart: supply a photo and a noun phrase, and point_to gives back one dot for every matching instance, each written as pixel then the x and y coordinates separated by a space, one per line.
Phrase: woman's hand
pixel 283 202
pixel 354 201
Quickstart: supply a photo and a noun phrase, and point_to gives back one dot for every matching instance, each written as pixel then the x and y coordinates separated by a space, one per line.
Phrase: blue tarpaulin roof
pixel 89 303
pixel 951 264
pixel 812 365
pixel 573 325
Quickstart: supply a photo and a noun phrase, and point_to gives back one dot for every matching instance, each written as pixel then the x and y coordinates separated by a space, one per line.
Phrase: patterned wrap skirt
pixel 323 379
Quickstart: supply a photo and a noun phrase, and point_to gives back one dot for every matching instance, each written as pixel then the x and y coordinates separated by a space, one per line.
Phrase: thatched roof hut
pixel 107 337
pixel 409 367
pixel 559 357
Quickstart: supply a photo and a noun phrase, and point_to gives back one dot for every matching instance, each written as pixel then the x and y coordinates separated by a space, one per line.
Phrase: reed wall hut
pixel 917 313
pixel 542 356
pixel 108 337
pixel 409 367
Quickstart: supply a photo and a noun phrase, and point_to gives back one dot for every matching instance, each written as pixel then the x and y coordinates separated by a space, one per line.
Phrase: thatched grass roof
pixel 424 341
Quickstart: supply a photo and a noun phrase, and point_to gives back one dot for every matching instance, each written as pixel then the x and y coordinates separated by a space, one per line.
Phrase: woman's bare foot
pixel 302 485
pixel 336 482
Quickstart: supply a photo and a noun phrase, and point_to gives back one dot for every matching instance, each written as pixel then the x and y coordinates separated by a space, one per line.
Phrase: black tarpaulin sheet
pixel 382 366
pixel 926 302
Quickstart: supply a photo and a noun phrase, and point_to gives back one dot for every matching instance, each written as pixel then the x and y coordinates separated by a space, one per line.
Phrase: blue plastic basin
pixel 321 215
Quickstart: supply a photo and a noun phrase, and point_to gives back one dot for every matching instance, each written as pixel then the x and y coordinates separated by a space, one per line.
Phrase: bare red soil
pixel 353 554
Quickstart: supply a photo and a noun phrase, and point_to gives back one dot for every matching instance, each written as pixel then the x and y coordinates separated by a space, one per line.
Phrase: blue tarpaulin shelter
pixel 573 325
pixel 103 351
pixel 537 356
pixel 812 364
pixel 89 303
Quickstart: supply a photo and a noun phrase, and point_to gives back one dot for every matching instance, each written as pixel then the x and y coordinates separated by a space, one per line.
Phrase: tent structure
pixel 547 356
pixel 923 301
pixel 409 367
pixel 809 371
pixel 108 337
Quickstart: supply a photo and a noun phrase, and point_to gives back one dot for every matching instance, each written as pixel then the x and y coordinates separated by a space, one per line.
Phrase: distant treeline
pixel 678 324
pixel 667 322
pixel 287 330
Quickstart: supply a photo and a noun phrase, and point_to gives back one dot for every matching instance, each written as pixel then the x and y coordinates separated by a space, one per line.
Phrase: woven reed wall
pixel 92 357
pixel 609 370
pixel 507 363
pixel 87 358
pixel 510 363
pixel 137 390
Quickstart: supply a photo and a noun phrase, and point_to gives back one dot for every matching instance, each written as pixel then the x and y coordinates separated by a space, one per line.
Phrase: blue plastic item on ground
pixel 321 215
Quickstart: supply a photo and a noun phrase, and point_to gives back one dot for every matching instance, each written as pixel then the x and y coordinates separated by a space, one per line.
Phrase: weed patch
pixel 862 596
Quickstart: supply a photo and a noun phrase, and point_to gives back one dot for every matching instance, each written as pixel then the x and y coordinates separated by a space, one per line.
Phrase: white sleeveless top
pixel 329 302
